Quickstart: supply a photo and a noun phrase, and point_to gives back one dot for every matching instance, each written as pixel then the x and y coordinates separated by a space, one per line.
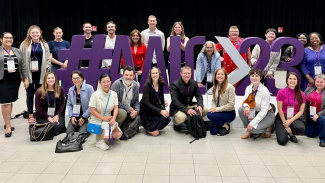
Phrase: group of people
pixel 35 62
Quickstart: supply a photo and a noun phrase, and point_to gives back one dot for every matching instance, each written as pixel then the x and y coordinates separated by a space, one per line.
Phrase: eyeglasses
pixel 105 82
pixel 316 38
pixel 186 73
pixel 9 38
pixel 178 23
pixel 76 78
pixel 302 38
pixel 233 31
pixel 209 48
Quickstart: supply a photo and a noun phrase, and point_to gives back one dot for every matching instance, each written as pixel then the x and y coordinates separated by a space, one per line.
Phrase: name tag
pixel 76 110
pixel 252 115
pixel 312 111
pixel 290 112
pixel 34 65
pixel 51 111
pixel 209 77
pixel 11 65
pixel 318 70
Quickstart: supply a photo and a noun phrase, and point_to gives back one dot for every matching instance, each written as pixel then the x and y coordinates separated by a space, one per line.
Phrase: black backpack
pixel 130 127
pixel 196 126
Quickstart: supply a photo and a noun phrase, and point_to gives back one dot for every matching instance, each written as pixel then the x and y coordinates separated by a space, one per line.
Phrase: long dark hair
pixel 297 88
pixel 160 80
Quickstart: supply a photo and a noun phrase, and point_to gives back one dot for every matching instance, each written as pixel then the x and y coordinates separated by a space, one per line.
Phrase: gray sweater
pixel 21 62
pixel 308 91
pixel 118 87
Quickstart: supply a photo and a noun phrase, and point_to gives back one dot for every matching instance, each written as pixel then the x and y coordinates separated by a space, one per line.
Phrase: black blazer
pixel 179 96
pixel 149 104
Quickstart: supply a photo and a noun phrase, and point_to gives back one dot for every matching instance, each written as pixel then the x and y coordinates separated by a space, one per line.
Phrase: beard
pixel 127 81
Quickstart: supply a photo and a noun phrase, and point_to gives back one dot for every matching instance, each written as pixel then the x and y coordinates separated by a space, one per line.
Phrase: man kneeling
pixel 182 92
pixel 128 95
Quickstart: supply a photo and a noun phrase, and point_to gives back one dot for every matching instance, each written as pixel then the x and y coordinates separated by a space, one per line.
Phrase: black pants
pixel 204 82
pixel 139 76
pixel 30 91
pixel 297 127
pixel 58 128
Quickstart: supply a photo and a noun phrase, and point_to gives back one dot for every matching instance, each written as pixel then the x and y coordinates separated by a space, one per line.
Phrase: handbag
pixel 71 143
pixel 96 128
pixel 39 132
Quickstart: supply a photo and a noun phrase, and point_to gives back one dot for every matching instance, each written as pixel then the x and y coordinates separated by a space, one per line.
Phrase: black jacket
pixel 149 104
pixel 178 94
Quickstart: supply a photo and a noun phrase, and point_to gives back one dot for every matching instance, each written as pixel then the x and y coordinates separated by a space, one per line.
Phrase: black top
pixel 13 75
pixel 89 42
pixel 287 53
pixel 180 98
pixel 78 101
pixel 38 54
pixel 149 103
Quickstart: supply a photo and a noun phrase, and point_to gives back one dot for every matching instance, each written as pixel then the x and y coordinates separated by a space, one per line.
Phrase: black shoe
pixel 224 131
pixel 12 128
pixel 322 144
pixel 8 134
pixel 293 139
pixel 177 128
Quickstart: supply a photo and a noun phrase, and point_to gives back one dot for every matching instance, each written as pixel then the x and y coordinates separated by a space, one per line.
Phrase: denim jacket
pixel 85 94
pixel 201 65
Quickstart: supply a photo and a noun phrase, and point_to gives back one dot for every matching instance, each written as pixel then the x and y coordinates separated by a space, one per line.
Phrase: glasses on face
pixel 302 38
pixel 105 82
pixel 209 48
pixel 233 31
pixel 75 79
pixel 10 38
pixel 312 39
pixel 186 74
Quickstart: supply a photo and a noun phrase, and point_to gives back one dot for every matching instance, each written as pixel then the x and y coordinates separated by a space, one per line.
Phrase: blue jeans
pixel 317 128
pixel 218 119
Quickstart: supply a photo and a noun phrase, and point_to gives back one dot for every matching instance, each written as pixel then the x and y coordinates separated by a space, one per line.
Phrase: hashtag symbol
pixel 77 52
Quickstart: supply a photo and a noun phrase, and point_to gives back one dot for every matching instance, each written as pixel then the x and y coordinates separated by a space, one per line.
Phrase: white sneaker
pixel 102 145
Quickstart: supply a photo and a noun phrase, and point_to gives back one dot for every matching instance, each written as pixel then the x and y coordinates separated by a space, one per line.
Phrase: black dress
pixel 150 109
pixel 10 83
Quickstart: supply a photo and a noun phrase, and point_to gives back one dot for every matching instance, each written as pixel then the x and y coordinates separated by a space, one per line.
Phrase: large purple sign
pixel 77 52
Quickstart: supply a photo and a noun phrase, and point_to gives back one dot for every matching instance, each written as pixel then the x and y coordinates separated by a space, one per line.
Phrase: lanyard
pixel 156 93
pixel 34 50
pixel 316 97
pixel 8 52
pixel 317 57
pixel 48 100
pixel 126 93
pixel 255 91
pixel 236 42
pixel 208 64
pixel 106 105
pixel 294 100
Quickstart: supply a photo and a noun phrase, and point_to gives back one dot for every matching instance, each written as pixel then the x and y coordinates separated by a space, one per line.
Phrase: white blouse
pixel 262 103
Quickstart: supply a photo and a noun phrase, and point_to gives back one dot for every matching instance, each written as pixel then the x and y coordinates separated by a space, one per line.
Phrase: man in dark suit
pixel 182 92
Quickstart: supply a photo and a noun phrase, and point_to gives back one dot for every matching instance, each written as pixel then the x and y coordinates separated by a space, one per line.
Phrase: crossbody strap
pixel 55 49
pixel 106 104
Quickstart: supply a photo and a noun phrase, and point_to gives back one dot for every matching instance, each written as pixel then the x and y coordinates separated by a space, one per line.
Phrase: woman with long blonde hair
pixel 222 110
pixel 49 102
pixel 36 54
pixel 178 30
